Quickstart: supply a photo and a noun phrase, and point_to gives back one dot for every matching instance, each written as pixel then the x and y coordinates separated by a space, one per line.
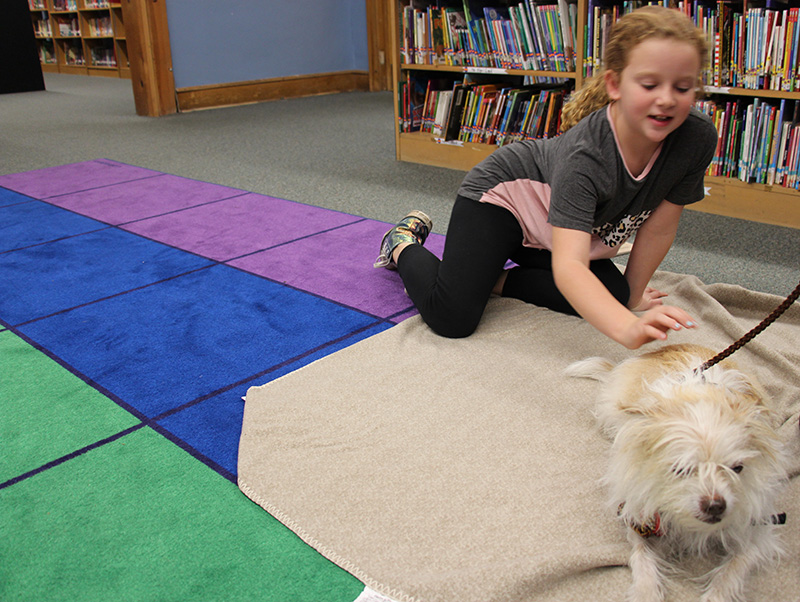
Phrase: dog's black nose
pixel 713 508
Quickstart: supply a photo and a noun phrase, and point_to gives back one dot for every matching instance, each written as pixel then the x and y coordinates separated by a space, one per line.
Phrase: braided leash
pixel 755 331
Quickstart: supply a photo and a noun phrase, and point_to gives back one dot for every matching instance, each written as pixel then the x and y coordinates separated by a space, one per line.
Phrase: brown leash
pixel 755 331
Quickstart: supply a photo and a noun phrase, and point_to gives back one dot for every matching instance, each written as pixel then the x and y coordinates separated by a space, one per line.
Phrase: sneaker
pixel 413 228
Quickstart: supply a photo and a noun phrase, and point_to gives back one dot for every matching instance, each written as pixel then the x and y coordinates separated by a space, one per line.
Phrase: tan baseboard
pixel 238 93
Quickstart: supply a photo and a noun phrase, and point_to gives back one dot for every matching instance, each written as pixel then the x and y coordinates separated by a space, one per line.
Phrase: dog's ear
pixel 595 368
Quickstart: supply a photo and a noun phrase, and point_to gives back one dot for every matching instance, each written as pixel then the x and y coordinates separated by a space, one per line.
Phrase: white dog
pixel 695 467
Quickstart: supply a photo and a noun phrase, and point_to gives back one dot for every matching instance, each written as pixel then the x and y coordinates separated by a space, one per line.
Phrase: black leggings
pixel 451 294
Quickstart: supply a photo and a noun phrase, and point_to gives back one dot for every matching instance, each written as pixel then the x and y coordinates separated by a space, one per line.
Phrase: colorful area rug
pixel 136 309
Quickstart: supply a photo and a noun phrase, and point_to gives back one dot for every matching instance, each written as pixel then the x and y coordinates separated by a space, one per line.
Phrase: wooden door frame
pixel 150 57
pixel 379 44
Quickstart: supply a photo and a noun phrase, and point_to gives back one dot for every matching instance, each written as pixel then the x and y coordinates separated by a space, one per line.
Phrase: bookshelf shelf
pixel 488 71
pixel 772 204
pixel 85 37
pixel 422 147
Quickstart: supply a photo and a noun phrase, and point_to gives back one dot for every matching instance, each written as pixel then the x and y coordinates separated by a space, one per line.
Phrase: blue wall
pixel 224 41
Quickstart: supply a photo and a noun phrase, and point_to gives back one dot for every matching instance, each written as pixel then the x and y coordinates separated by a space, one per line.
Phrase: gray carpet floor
pixel 333 151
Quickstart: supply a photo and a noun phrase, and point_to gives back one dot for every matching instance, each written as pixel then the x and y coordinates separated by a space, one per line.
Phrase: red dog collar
pixel 649 528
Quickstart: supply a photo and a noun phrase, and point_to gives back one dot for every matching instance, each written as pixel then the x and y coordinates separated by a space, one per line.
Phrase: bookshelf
pixel 429 62
pixel 84 37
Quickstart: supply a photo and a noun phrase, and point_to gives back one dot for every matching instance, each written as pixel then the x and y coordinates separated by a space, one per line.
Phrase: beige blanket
pixel 468 470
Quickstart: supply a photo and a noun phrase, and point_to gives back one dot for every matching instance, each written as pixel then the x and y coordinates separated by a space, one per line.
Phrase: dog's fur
pixel 695 466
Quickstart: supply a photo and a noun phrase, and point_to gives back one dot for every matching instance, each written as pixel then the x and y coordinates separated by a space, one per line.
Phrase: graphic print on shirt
pixel 613 234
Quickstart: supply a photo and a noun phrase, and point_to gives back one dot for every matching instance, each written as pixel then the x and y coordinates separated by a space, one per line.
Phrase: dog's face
pixel 697 451
pixel 699 457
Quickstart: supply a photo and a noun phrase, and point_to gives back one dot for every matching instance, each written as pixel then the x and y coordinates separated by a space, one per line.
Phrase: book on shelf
pixel 67 26
pixel 47 55
pixel 42 27
pixel 73 53
pixel 411 99
pixel 455 111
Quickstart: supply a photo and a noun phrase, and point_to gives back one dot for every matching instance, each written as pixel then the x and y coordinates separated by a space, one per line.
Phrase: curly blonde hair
pixel 632 29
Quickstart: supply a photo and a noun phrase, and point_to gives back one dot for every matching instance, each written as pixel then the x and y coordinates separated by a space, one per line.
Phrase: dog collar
pixel 649 528
pixel 654 528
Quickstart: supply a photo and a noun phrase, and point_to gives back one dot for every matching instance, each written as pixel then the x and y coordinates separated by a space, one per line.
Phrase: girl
pixel 634 152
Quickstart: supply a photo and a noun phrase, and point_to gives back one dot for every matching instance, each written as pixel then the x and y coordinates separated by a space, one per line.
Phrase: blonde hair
pixel 632 29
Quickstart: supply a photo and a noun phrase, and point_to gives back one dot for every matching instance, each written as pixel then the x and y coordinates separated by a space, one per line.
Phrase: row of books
pixel 64 5
pixel 756 48
pixel 522 36
pixel 100 26
pixel 602 14
pixel 103 56
pixel 759 142
pixel 482 113
pixel 67 26
pixel 753 48
pixel 102 53
pixel 68 5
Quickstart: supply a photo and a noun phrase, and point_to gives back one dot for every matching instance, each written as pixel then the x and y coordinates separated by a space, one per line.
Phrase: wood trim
pixel 394 51
pixel 150 57
pixel 379 44
pixel 774 205
pixel 295 86
pixel 421 147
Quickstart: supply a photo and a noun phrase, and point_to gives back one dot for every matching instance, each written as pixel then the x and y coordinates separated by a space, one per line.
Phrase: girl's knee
pixel 453 326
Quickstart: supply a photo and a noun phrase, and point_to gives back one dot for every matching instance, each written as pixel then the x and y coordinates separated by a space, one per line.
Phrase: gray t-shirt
pixel 579 180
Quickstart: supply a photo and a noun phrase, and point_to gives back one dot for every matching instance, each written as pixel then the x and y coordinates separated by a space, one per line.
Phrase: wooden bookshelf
pixel 83 37
pixel 730 197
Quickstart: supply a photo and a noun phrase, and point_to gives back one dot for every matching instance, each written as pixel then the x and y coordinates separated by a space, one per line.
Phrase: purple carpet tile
pixel 65 179
pixel 130 201
pixel 337 265
pixel 238 226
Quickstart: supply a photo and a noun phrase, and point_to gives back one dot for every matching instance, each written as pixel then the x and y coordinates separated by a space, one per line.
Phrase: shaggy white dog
pixel 695 467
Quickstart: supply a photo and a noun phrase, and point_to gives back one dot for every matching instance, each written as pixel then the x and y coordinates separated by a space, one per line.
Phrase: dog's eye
pixel 738 468
pixel 682 471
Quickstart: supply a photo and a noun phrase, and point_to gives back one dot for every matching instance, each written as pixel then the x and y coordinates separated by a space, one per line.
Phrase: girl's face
pixel 655 91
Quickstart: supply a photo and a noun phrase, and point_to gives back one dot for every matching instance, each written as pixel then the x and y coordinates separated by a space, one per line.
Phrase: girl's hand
pixel 650 298
pixel 654 325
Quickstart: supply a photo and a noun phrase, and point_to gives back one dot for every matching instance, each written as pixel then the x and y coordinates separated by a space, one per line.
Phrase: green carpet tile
pixel 46 411
pixel 141 518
